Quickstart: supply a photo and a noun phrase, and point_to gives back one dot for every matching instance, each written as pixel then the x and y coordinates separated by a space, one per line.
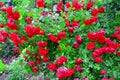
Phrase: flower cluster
pixel 31 30
pixel 109 45
pixel 3 35
pixel 67 59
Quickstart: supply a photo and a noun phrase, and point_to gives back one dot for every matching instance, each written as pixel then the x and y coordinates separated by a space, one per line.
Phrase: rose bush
pixel 69 45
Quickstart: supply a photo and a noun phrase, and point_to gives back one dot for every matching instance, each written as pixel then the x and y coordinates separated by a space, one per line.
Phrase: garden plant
pixel 79 41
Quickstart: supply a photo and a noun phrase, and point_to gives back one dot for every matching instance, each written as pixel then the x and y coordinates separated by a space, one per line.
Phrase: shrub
pixel 55 43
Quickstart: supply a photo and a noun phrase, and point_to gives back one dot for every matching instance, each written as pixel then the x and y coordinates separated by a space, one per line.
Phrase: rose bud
pixel 78 60
pixel 75 45
pixel 78 38
pixel 102 72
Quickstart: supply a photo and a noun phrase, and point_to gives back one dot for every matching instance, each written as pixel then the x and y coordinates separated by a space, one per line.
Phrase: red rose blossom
pixel 42 51
pixel 67 4
pixel 16 15
pixel 12 25
pixel 111 79
pixel 63 72
pixel 41 43
pixel 104 78
pixel 51 66
pixel 61 34
pixel 61 59
pixel 94 11
pixel 45 59
pixel 40 3
pixel 101 9
pixel 59 6
pixel 89 5
pixel 90 45
pixel 35 69
pixel 84 78
pixel 102 72
pixel 78 38
pixel 118 53
pixel 78 60
pixel 98 59
pixel 70 29
pixel 75 45
pixel 78 68
pixel 76 5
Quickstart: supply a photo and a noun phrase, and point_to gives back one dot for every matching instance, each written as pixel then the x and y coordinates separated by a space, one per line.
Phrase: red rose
pixel 87 21
pixel 101 9
pixel 70 29
pixel 27 51
pixel 9 11
pixel 28 19
pixel 70 72
pixel 45 59
pixel 37 30
pixel 89 5
pixel 15 38
pixel 38 57
pixel 104 78
pixel 16 50
pixel 42 51
pixel 76 5
pixel 94 11
pixel 29 30
pixel 118 53
pixel 75 45
pixel 43 13
pixel 3 9
pixel 76 79
pixel 30 63
pixel 2 25
pixel 98 59
pixel 92 35
pixel 111 79
pixel 78 68
pixel 1 4
pixel 35 69
pixel 52 37
pixel 33 53
pixel 95 54
pixel 63 72
pixel 67 4
pixel 16 15
pixel 84 78
pixel 59 6
pixel 23 38
pixel 102 72
pixel 61 34
pixel 41 43
pixel 42 32
pixel 4 33
pixel 93 19
pixel 40 3
pixel 12 25
pixel 37 62
pixel 75 23
pixel 51 66
pixel 61 60
pixel 90 45
pixel 25 58
pixel 78 60
pixel 78 38
pixel 111 49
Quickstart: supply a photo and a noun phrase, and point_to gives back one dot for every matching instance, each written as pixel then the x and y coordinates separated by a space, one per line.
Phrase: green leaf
pixel 2 66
